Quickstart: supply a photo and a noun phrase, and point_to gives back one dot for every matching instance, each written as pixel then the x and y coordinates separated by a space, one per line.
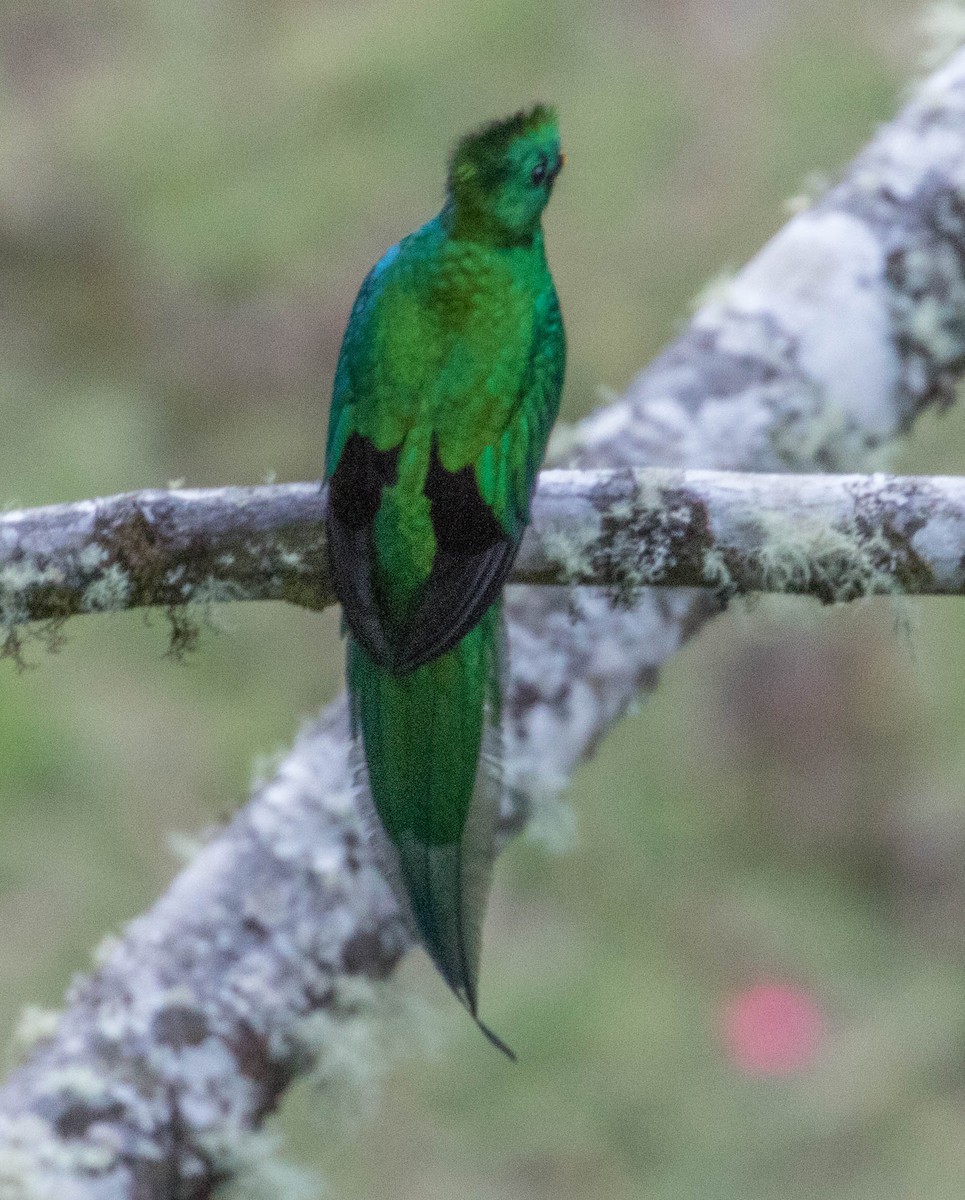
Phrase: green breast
pixel 449 337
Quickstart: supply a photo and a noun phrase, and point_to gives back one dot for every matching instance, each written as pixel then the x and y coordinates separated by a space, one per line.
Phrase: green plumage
pixel 446 388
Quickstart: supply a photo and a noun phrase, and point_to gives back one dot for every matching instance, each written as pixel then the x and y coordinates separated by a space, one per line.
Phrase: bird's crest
pixel 488 144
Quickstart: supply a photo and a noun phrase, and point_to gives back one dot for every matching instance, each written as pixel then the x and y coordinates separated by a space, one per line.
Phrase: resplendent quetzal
pixel 447 384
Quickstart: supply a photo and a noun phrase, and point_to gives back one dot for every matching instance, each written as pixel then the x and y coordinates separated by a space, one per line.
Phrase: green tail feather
pixel 431 745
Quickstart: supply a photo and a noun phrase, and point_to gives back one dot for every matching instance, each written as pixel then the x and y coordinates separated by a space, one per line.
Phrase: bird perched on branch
pixel 447 384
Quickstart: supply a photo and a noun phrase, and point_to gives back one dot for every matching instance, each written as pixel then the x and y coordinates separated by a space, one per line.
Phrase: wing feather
pixel 478 512
pixel 354 496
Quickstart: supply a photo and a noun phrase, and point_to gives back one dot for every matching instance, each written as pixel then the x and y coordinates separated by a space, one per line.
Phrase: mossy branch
pixel 834 537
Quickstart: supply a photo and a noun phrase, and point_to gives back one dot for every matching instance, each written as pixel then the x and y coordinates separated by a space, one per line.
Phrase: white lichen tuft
pixel 813 187
pixel 564 440
pixel 717 574
pixel 91 557
pixel 78 1082
pixel 370 1029
pixel 198 609
pixel 110 592
pixel 204 597
pixel 344 1045
pixel 293 560
pixel 264 767
pixel 255 1169
pixel 943 29
pixel 552 823
pixel 827 560
pixel 567 548
pixel 34 1026
pixel 184 847
pixel 216 591
pixel 17 581
pixel 714 290
pixel 649 508
pixel 105 949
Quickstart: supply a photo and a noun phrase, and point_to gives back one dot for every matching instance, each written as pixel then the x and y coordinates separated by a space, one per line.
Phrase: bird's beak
pixel 562 162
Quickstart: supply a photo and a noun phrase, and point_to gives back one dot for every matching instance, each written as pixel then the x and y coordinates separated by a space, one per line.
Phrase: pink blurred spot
pixel 772 1029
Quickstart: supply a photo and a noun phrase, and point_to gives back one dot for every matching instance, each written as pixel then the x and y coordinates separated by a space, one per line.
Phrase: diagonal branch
pixel 826 347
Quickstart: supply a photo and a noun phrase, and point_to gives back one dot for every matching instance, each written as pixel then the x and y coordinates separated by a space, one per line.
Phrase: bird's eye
pixel 538 173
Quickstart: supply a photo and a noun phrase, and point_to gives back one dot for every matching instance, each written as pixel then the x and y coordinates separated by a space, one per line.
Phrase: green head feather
pixel 501 176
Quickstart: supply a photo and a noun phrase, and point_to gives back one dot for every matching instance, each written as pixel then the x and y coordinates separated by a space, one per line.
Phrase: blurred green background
pixel 189 197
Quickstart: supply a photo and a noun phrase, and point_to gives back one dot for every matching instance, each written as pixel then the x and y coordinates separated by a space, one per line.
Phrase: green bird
pixel 447 384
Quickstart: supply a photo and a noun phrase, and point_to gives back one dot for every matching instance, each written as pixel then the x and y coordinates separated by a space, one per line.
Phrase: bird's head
pixel 501 176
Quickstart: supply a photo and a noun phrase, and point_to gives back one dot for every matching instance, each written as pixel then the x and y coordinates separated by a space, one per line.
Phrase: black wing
pixel 354 496
pixel 474 555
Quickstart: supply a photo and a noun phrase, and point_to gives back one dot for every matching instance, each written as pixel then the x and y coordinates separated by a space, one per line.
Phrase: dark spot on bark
pixel 668 531
pixel 133 542
pixel 271 1075
pixel 365 954
pixel 353 851
pixel 76 1115
pixel 523 697
pixel 254 925
pixel 889 515
pixel 179 1026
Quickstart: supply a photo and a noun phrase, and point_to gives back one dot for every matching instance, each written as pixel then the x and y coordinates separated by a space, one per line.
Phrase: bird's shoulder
pixel 402 268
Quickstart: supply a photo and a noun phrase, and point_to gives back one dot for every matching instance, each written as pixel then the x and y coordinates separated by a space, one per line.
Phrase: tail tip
pixel 468 997
pixel 495 1040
